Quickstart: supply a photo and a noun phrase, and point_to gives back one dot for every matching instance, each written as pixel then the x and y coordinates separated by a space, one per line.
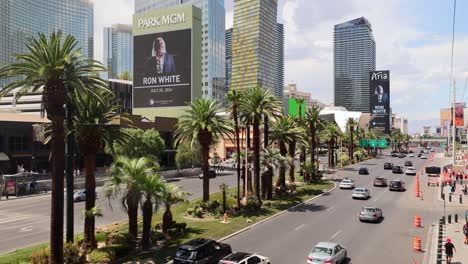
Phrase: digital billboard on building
pixel 167 55
pixel 459 110
pixel 379 82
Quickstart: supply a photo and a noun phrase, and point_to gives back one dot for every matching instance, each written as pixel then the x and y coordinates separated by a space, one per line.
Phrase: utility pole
pixel 454 128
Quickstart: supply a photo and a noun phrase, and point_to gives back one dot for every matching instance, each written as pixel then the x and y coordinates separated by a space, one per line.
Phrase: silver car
pixel 372 214
pixel 327 252
pixel 361 193
pixel 346 184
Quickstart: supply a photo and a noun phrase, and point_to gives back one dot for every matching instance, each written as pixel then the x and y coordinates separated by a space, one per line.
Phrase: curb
pixel 4 199
pixel 276 215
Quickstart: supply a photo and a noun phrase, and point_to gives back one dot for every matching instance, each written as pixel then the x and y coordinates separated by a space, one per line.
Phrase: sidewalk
pixel 455 232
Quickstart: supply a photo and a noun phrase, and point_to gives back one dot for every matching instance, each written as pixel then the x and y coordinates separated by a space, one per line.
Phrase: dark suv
pixel 201 251
pixel 397 185
pixel 397 169
pixel 388 166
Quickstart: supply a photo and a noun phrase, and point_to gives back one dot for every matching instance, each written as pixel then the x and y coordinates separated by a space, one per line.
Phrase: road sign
pixel 383 143
pixel 364 143
pixel 373 143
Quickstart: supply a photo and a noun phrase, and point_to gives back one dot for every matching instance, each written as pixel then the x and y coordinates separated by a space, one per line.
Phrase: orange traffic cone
pixel 417 221
pixel 417 244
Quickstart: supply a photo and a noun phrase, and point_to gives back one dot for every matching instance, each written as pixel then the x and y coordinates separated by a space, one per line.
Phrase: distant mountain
pixel 416 126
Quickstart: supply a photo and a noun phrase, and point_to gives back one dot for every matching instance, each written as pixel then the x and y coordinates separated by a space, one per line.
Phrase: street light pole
pixel 69 150
pixel 454 128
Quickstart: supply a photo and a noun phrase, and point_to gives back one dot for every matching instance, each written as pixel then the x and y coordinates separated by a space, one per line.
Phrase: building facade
pixel 22 19
pixel 213 37
pixel 290 91
pixel 279 49
pixel 354 58
pixel 118 50
pixel 228 58
pixel 254 58
pixel 400 123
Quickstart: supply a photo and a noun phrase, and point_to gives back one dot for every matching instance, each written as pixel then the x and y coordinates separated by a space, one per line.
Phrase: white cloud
pixel 229 19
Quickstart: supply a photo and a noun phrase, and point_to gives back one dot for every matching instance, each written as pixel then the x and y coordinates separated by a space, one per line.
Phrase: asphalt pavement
pixel 25 222
pixel 289 237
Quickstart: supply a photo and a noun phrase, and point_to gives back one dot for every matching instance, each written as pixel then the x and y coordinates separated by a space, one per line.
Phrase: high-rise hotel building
pixel 354 58
pixel 254 56
pixel 118 50
pixel 213 39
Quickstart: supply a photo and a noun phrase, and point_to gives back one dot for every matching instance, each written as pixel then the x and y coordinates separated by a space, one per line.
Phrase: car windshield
pixel 359 190
pixel 369 210
pixel 346 181
pixel 186 254
pixel 322 250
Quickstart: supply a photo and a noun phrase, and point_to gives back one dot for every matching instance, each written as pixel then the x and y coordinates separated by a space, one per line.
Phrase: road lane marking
pixel 8 220
pixel 330 209
pixel 299 227
pixel 337 233
pixel 26 229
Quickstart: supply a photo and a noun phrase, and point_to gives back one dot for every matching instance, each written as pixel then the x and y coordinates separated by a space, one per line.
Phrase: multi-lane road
pixel 289 237
pixel 25 222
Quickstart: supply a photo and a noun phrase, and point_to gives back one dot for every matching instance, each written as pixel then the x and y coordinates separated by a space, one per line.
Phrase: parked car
pixel 361 193
pixel 380 182
pixel 397 185
pixel 363 171
pixel 408 163
pixel 410 171
pixel 80 195
pixel 371 214
pixel 397 169
pixel 395 154
pixel 388 166
pixel 423 156
pixel 201 251
pixel 327 252
pixel 347 184
pixel 244 258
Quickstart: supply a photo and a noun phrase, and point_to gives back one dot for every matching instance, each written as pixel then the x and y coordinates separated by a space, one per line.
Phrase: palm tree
pixel 271 159
pixel 234 97
pixel 297 138
pixel 122 185
pixel 203 122
pixel 127 76
pixel 93 130
pixel 54 67
pixel 152 189
pixel 332 133
pixel 300 101
pixel 172 195
pixel 283 131
pixel 351 124
pixel 257 102
pixel 313 121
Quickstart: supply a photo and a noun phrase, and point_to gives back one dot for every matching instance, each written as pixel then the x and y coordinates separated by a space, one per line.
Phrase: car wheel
pixel 345 257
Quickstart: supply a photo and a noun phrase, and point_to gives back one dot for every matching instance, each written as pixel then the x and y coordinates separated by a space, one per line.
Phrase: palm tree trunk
pixel 57 204
pixel 256 146
pixel 351 154
pixel 132 212
pixel 249 173
pixel 281 182
pixel 302 159
pixel 147 217
pixel 206 171
pixel 167 219
pixel 90 187
pixel 236 123
pixel 269 184
pixel 292 166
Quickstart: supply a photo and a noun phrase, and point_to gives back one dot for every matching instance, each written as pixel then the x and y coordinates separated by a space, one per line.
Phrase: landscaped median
pixel 209 226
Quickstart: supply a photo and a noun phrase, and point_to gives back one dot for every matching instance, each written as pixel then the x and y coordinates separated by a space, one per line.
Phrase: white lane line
pixel 337 233
pixel 330 209
pixel 13 220
pixel 299 227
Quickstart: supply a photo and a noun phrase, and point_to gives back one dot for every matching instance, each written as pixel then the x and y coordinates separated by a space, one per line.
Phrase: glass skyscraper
pixel 118 49
pixel 279 85
pixel 354 58
pixel 228 58
pixel 213 38
pixel 254 54
pixel 20 19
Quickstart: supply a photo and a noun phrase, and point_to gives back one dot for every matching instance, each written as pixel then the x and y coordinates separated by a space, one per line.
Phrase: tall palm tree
pixel 92 127
pixel 298 138
pixel 351 124
pixel 53 66
pixel 203 122
pixel 152 189
pixel 172 195
pixel 283 131
pixel 300 101
pixel 313 122
pixel 234 97
pixel 257 102
pixel 271 159
pixel 122 185
pixel 332 133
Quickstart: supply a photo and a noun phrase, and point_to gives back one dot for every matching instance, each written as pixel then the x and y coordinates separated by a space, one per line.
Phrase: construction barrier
pixel 417 244
pixel 417 221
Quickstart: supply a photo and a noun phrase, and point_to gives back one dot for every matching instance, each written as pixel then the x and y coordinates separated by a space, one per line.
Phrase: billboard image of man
pixel 160 62
pixel 380 97
pixel 459 109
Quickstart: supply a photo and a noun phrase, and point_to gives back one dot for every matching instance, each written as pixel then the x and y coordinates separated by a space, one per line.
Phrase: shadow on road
pixel 308 208
pixel 173 180
pixel 348 169
pixel 369 164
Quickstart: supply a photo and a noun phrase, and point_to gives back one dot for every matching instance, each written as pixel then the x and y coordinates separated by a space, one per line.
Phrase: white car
pixel 327 252
pixel 244 258
pixel 361 193
pixel 423 156
pixel 410 171
pixel 411 155
pixel 347 184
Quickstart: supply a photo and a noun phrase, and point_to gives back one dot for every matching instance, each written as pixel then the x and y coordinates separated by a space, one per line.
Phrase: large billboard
pixel 294 107
pixel 459 118
pixel 166 60
pixel 379 86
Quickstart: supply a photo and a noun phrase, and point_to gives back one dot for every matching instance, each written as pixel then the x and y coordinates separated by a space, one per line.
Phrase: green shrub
pixel 102 256
pixel 252 204
pixel 198 212
pixel 120 238
pixel 214 205
pixel 118 250
pixel 101 236
pixel 218 212
pixel 157 236
pixel 267 204
pixel 190 211
pixel 180 226
pixel 71 254
pixel 41 256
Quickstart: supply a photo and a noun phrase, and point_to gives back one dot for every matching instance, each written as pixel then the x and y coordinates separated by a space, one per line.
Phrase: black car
pixel 211 174
pixel 364 171
pixel 397 185
pixel 201 251
pixel 410 152
pixel 388 166
pixel 419 155
pixel 394 154
pixel 408 163
pixel 402 155
pixel 397 169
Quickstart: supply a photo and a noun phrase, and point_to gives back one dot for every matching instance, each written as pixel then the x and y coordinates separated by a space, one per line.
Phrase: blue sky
pixel 413 41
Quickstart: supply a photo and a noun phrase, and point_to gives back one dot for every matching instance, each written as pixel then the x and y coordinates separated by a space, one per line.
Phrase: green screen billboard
pixel 294 107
